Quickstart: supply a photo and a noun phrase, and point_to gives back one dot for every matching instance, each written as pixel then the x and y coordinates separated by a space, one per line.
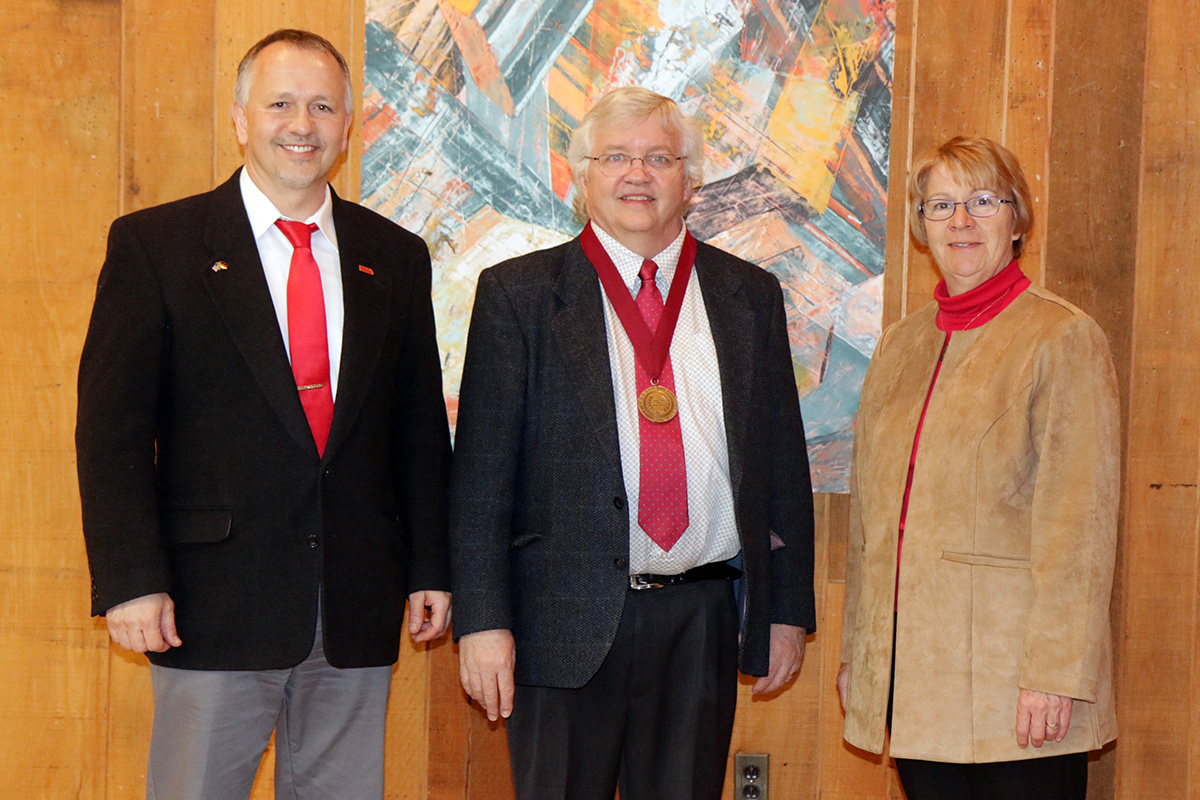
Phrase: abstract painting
pixel 469 106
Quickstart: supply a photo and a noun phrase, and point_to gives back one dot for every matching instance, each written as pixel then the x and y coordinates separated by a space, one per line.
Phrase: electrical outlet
pixel 751 771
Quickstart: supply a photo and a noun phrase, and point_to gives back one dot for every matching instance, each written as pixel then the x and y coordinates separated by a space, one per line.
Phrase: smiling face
pixel 642 209
pixel 968 250
pixel 293 125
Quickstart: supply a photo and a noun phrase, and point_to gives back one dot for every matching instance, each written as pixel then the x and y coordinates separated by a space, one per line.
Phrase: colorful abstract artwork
pixel 469 105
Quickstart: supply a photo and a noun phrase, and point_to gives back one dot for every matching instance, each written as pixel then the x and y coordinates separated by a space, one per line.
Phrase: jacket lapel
pixel 579 326
pixel 240 292
pixel 731 319
pixel 366 302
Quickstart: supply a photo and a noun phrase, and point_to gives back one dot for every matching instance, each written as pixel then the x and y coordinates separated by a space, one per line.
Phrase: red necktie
pixel 307 339
pixel 662 492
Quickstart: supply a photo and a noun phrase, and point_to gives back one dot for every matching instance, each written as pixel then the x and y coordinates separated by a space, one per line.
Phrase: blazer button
pixel 314 541
pixel 619 503
pixel 325 473
pixel 620 563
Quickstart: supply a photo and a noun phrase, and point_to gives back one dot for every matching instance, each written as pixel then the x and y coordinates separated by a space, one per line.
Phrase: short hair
pixel 979 162
pixel 633 104
pixel 304 40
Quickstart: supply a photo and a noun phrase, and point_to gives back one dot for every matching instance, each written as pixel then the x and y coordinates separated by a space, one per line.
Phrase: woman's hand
pixel 843 685
pixel 1041 717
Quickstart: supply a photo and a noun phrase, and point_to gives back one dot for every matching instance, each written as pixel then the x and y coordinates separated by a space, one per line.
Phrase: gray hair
pixel 633 104
pixel 304 40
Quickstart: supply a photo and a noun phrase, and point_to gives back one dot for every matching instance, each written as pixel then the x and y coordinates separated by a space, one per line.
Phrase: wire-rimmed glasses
pixel 614 163
pixel 983 205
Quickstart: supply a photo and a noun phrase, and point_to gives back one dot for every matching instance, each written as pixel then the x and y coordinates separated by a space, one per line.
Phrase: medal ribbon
pixel 651 350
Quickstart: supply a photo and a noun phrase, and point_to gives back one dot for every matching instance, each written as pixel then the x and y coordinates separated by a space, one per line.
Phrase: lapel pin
pixel 220 265
pixel 367 270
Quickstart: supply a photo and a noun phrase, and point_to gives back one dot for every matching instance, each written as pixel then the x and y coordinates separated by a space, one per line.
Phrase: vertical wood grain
pixel 1157 753
pixel 900 155
pixel 167 133
pixel 1090 219
pixel 1029 66
pixel 59 77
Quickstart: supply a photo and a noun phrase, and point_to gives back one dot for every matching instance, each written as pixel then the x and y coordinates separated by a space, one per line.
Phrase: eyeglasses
pixel 984 205
pixel 615 163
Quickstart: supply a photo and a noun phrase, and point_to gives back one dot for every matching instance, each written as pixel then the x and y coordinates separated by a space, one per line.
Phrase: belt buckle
pixel 639 583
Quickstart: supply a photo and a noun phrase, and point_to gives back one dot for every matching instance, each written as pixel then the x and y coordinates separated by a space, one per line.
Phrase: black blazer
pixel 539 516
pixel 197 469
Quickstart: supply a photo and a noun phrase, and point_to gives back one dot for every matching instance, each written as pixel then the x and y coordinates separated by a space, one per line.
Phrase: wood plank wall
pixel 115 106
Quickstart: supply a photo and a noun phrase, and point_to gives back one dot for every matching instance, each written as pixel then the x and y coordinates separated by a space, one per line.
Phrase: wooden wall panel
pixel 167 131
pixel 1159 698
pixel 896 248
pixel 1029 60
pixel 59 71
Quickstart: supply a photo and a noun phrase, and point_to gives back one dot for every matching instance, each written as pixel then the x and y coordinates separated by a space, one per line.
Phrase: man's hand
pixel 145 623
pixel 428 615
pixel 1042 717
pixel 787 654
pixel 485 666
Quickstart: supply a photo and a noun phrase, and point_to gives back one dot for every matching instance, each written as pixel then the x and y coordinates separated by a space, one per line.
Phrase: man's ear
pixel 238 113
pixel 346 133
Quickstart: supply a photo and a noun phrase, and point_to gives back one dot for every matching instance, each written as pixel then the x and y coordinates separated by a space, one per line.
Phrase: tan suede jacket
pixel 1007 566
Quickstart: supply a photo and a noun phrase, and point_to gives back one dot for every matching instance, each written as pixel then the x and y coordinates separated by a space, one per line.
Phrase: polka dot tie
pixel 662 496
pixel 308 342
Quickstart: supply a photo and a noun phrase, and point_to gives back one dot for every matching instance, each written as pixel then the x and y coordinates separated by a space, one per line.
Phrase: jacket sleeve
pixel 119 383
pixel 422 440
pixel 792 594
pixel 1075 426
pixel 487 450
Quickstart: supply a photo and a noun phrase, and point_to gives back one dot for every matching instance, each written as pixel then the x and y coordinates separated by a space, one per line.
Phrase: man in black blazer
pixel 259 551
pixel 610 474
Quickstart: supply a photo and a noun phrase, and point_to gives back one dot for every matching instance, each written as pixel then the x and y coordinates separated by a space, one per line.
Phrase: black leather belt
pixel 706 572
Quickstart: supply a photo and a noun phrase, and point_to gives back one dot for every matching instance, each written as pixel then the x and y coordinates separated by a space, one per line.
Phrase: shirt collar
pixel 629 263
pixel 263 213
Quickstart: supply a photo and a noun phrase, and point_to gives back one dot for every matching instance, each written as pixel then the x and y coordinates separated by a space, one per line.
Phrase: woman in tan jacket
pixel 983 511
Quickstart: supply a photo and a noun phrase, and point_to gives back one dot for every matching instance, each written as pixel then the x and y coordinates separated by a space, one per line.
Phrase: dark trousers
pixel 656 718
pixel 1050 778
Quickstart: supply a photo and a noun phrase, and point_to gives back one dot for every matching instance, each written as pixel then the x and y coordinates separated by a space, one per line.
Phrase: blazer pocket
pixel 522 539
pixel 985 561
pixel 197 525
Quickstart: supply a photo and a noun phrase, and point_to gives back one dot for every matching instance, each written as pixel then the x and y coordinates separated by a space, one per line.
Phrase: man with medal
pixel 631 511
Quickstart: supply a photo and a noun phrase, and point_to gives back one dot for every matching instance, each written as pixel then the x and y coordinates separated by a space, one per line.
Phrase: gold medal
pixel 657 403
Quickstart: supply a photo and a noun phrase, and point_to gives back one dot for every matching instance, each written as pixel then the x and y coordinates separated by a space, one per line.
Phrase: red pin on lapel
pixel 367 270
pixel 220 265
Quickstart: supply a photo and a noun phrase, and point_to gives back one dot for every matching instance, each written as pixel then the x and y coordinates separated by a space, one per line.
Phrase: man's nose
pixel 301 121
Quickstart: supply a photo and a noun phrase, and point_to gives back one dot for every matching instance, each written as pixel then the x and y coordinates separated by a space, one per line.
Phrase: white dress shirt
pixel 275 252
pixel 711 534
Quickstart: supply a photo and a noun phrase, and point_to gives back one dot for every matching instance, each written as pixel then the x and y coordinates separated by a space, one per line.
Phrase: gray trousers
pixel 212 727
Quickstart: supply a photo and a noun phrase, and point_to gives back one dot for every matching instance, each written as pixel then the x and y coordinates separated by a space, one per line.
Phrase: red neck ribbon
pixel 651 350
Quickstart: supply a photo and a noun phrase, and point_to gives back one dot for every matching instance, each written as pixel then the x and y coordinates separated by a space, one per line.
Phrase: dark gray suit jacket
pixel 197 469
pixel 539 515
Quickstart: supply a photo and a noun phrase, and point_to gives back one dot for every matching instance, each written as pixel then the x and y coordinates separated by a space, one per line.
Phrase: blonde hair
pixel 631 105
pixel 979 162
